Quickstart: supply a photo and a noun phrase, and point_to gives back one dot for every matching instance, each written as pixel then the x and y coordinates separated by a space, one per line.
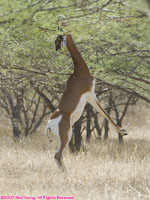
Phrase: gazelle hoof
pixel 123 132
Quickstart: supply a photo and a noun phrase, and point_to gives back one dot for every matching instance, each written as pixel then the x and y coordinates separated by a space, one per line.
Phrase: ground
pixel 101 171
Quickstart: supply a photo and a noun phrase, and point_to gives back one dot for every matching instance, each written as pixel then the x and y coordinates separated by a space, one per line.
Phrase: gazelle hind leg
pixel 58 155
pixel 92 99
pixel 61 146
pixel 65 133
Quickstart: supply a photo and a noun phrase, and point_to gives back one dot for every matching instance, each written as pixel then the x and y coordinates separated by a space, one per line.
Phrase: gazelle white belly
pixel 80 107
pixel 78 110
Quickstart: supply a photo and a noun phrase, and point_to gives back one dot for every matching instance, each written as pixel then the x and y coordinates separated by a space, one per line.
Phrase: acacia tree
pixel 112 36
pixel 119 104
pixel 25 112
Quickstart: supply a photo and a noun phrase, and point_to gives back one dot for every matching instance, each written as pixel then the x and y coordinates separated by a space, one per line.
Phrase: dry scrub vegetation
pixel 101 171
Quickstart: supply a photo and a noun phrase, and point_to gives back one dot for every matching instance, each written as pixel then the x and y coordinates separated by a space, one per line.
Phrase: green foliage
pixel 113 37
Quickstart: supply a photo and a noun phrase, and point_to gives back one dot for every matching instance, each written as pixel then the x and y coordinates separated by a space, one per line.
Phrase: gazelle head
pixel 60 40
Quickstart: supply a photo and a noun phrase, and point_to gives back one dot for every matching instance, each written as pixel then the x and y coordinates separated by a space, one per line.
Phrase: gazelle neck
pixel 80 65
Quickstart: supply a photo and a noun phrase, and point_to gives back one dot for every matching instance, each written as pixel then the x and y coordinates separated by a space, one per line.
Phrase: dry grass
pixel 101 171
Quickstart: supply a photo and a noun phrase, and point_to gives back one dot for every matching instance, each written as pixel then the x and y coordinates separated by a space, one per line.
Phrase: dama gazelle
pixel 80 89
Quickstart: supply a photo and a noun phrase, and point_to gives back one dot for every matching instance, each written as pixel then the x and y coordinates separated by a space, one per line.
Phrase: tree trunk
pixel 88 122
pixel 120 137
pixel 75 143
pixel 108 110
pixel 98 129
pixel 106 129
pixel 15 123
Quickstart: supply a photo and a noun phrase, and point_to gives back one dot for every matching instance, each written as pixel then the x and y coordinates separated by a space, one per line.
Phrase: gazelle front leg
pixel 92 99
